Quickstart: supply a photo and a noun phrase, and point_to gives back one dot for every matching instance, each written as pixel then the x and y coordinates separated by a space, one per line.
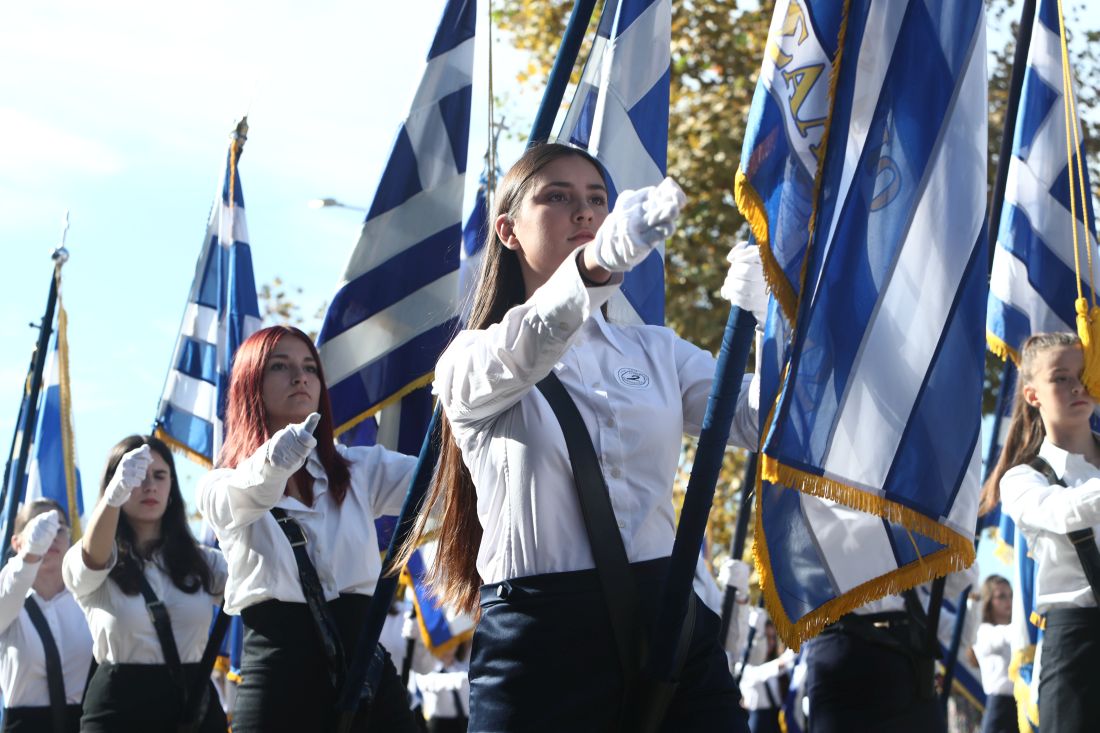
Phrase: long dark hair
pixel 500 287
pixel 245 415
pixel 183 560
pixel 1025 430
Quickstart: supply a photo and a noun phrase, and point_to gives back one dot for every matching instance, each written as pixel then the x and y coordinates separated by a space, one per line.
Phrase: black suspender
pixel 1084 541
pixel 612 565
pixel 55 677
pixel 193 701
pixel 315 597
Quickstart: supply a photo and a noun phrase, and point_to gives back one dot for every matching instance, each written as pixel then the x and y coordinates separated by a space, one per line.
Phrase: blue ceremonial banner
pixel 53 472
pixel 619 113
pixel 774 184
pixel 396 306
pixel 870 460
pixel 222 311
pixel 1033 282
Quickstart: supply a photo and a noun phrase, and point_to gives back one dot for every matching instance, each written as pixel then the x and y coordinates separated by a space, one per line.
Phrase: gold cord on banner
pixel 1088 314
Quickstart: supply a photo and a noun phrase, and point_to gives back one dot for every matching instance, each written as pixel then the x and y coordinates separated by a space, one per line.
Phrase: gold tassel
pixel 1088 329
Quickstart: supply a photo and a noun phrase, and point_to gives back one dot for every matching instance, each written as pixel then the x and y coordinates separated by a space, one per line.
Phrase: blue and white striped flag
pixel 619 113
pixel 53 472
pixel 871 453
pixel 222 311
pixel 396 306
pixel 774 184
pixel 1033 282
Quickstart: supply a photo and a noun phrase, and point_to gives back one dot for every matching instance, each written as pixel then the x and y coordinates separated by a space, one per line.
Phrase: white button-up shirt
pixel 638 389
pixel 22 656
pixel 1045 513
pixel 122 631
pixel 341 539
pixel 993 651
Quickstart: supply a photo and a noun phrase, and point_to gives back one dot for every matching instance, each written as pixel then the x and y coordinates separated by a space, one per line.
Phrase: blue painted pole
pixel 561 70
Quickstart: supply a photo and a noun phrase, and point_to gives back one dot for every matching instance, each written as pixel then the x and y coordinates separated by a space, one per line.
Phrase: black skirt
pixel 122 698
pixel 544 659
pixel 1069 678
pixel 1000 715
pixel 39 719
pixel 285 682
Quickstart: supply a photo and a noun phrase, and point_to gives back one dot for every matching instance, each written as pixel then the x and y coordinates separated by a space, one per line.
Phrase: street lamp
pixel 325 203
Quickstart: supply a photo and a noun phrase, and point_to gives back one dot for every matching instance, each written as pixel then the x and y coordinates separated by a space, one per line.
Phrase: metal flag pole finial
pixel 60 254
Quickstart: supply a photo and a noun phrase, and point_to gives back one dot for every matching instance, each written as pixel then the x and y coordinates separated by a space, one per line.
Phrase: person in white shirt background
pixel 33 574
pixel 543 652
pixel 992 653
pixel 138 530
pixel 766 677
pixel 279 456
pixel 1048 482
pixel 445 689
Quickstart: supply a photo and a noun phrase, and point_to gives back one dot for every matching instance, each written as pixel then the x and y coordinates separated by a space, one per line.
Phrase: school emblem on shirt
pixel 632 378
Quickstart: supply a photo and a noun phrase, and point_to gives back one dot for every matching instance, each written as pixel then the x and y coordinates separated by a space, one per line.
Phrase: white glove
pixel 735 574
pixel 744 286
pixel 39 533
pixel 129 474
pixel 641 220
pixel 409 630
pixel 289 448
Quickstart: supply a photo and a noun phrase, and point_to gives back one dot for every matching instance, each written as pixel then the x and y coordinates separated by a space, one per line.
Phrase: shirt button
pixel 596 384
pixel 616 473
pixel 562 325
pixel 622 524
pixel 610 423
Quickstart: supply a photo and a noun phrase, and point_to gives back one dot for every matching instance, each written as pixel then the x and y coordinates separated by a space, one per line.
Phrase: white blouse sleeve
pixel 1037 505
pixel 219 570
pixel 232 498
pixel 16 579
pixel 384 474
pixel 483 373
pixel 696 369
pixel 80 579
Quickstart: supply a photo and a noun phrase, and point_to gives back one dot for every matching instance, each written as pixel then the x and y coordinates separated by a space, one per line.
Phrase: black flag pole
pixel 737 546
pixel 661 667
pixel 365 668
pixel 17 478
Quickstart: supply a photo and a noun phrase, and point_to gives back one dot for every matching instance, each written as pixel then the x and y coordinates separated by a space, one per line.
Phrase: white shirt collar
pixel 1062 460
pixel 609 332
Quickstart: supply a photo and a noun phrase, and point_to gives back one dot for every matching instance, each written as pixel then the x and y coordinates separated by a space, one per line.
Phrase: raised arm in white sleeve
pixel 1035 504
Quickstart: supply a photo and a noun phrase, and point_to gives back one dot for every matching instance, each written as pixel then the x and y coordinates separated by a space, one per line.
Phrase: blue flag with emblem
pixel 396 306
pixel 774 183
pixel 222 311
pixel 870 455
pixel 619 113
pixel 53 472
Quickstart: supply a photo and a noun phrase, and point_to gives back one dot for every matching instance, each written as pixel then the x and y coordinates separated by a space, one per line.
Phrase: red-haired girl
pixel 294 514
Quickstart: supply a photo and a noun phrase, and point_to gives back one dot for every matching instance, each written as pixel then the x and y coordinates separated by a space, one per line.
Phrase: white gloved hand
pixel 289 448
pixel 129 474
pixel 409 631
pixel 735 574
pixel 744 286
pixel 641 220
pixel 39 533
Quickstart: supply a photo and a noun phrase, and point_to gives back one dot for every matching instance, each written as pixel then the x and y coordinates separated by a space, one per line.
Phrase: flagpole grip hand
pixel 37 537
pixel 289 448
pixel 640 222
pixel 745 286
pixel 129 474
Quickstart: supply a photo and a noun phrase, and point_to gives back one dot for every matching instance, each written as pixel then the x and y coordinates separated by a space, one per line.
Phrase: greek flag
pixel 619 113
pixel 774 183
pixel 222 311
pixel 870 455
pixel 53 472
pixel 396 307
pixel 1033 282
pixel 1027 635
pixel 474 234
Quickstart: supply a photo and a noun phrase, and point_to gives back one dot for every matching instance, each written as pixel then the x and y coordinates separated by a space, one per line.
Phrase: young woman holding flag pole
pixel 294 514
pixel 34 605
pixel 148 591
pixel 512 516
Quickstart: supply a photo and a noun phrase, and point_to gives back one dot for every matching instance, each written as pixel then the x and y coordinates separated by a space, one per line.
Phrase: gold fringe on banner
pixel 391 400
pixel 1000 348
